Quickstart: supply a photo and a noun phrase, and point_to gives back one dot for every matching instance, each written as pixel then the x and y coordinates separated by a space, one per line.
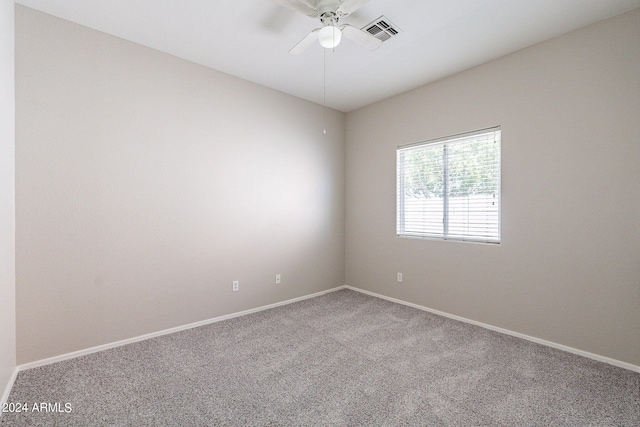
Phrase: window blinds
pixel 450 188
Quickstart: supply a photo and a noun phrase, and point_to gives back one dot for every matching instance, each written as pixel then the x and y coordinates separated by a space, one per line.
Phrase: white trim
pixel 551 344
pixel 452 138
pixel 7 390
pixel 96 349
pixel 84 352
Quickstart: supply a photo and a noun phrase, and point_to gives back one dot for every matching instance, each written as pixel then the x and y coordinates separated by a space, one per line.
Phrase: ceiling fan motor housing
pixel 329 18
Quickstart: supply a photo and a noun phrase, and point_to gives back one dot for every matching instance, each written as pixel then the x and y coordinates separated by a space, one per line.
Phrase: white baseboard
pixel 7 390
pixel 79 353
pixel 96 349
pixel 568 349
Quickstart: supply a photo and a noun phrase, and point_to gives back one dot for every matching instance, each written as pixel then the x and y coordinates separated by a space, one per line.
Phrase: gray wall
pixel 7 200
pixel 568 268
pixel 146 184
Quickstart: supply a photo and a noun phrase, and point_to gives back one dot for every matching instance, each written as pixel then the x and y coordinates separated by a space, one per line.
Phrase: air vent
pixel 382 29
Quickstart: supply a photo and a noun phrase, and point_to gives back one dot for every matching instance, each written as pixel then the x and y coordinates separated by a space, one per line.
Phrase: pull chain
pixel 324 90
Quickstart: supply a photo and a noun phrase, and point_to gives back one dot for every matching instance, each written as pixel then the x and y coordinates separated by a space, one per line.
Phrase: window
pixel 450 188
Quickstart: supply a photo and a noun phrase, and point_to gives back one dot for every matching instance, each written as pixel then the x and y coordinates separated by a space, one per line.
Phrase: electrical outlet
pixel 278 279
pixel 235 285
pixel 400 277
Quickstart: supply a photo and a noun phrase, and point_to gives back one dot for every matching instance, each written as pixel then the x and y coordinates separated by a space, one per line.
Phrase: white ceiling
pixel 250 39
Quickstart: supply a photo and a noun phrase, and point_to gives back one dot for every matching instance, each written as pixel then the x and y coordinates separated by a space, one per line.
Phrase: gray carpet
pixel 341 359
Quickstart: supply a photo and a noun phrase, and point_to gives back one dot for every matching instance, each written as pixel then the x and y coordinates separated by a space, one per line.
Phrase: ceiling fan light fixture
pixel 329 36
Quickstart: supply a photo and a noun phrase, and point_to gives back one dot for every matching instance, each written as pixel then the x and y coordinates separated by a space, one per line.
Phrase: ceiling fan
pixel 329 12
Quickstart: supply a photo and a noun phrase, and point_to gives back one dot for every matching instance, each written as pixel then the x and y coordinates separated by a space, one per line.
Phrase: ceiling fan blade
pixel 361 37
pixel 350 6
pixel 305 42
pixel 298 7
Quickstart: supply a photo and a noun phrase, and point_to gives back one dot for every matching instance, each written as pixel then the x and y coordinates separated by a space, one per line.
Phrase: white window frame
pixel 445 235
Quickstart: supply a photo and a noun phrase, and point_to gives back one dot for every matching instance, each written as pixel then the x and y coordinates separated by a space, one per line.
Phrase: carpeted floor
pixel 341 359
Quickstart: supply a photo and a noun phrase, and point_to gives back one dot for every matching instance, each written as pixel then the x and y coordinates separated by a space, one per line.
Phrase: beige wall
pixel 146 184
pixel 568 268
pixel 7 199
